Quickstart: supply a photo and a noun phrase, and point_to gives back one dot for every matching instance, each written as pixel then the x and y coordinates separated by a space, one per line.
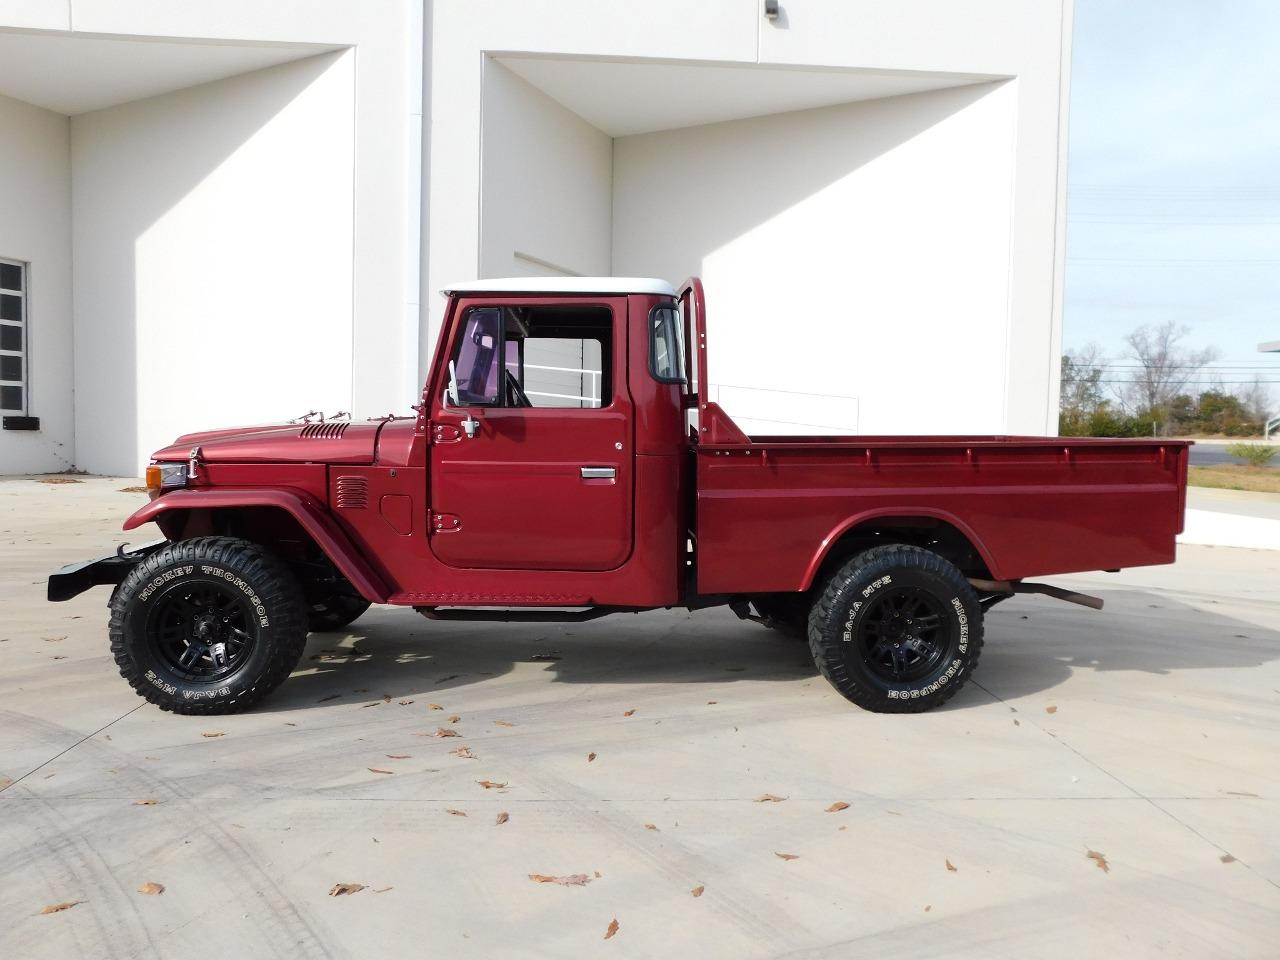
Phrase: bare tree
pixel 1163 366
pixel 1082 370
pixel 1256 398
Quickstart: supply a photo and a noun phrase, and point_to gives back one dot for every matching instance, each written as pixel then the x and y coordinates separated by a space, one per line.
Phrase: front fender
pixel 306 509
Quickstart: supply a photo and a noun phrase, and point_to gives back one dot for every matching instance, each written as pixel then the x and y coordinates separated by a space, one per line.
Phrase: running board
pixel 1010 587
pixel 521 614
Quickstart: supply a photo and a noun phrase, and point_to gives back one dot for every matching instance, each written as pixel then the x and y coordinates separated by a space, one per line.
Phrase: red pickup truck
pixel 565 463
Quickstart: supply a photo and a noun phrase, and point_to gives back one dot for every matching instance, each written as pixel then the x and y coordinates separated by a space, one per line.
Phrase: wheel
pixel 788 613
pixel 897 629
pixel 334 612
pixel 208 626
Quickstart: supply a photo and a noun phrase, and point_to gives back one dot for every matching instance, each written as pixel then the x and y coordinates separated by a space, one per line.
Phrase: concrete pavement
pixel 1147 733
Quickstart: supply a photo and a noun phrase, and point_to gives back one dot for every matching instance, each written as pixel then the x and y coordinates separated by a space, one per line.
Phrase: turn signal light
pixel 165 476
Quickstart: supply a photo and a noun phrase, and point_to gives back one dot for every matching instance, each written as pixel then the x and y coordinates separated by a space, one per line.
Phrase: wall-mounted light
pixel 771 9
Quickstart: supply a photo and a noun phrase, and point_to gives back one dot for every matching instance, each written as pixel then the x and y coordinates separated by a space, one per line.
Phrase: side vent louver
pixel 324 431
pixel 352 493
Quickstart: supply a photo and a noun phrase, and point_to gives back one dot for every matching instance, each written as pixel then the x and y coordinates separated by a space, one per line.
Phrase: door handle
pixel 469 426
pixel 598 473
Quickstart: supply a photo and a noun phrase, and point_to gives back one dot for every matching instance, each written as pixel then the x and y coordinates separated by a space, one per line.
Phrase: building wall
pixel 213 258
pixel 35 227
pixel 858 252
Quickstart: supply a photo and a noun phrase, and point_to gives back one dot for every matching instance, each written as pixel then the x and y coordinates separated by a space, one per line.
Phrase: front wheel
pixel 897 629
pixel 208 626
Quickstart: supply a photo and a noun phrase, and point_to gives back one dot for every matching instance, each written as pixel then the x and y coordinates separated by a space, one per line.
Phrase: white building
pixel 228 211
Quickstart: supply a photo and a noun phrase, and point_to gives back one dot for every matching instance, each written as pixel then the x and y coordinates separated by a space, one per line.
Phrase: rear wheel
pixel 897 629
pixel 207 626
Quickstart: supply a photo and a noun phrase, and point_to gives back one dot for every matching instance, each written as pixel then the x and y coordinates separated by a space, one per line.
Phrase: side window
pixel 13 337
pixel 564 371
pixel 475 357
pixel 666 344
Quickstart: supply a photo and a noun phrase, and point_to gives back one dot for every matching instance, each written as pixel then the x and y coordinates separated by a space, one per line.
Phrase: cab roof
pixel 551 285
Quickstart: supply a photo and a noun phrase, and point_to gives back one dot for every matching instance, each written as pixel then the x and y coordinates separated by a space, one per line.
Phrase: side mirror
pixel 451 391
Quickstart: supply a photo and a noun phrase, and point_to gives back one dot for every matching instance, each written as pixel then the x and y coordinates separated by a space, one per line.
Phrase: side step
pixel 522 614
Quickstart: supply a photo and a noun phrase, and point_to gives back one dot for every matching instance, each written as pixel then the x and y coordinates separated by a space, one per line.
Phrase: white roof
pixel 564 285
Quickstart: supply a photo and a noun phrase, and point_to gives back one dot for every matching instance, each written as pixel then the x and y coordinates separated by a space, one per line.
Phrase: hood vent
pixel 324 431
pixel 351 493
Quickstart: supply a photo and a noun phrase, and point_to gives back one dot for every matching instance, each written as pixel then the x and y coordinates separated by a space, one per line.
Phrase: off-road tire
pixel 335 612
pixel 844 625
pixel 254 582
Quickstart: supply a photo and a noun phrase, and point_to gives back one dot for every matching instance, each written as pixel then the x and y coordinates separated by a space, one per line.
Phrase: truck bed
pixel 768 509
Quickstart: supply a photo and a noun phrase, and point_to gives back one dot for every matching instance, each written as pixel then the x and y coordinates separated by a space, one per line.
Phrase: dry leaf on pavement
pixel 454 718
pixel 590 757
pixel 377 770
pixel 434 706
pixel 214 733
pixel 445 732
pixel 1051 709
pixel 650 826
pixel 501 818
pixel 151 889
pixel 145 803
pixel 59 907
pixel 613 928
pixel 1100 859
pixel 572 880
pixel 398 756
pixel 627 713
pixel 503 723
pixel 455 813
pixel 769 798
pixel 697 891
pixel 1227 858
pixel 787 856
pixel 342 889
pixel 490 785
pixel 837 807
pixel 59 480
pixel 464 752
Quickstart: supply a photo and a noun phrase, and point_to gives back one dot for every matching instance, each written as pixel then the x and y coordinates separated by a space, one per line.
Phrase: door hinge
pixel 445 523
pixel 445 433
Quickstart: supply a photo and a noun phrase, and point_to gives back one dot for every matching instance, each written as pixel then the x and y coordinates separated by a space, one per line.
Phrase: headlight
pixel 165 476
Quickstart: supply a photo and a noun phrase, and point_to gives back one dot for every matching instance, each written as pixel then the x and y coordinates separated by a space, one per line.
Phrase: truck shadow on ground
pixel 1032 645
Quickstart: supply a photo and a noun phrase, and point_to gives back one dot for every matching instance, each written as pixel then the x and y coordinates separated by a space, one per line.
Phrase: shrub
pixel 1254 454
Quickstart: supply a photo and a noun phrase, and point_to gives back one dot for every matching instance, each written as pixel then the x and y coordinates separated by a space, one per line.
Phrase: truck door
pixel 531 456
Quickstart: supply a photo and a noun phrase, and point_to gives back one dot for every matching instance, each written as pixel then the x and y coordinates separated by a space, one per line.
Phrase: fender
pixel 845 526
pixel 309 512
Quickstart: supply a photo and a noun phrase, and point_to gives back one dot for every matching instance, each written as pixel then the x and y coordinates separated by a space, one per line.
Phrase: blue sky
pixel 1174 175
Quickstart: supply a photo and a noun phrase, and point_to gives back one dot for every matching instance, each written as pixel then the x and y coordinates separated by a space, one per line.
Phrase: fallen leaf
pixel 1016 723
pixel 711 702
pixel 454 718
pixel 769 798
pixel 365 706
pixel 1227 858
pixel 214 733
pixel 590 757
pixel 650 826
pixel 837 807
pixel 446 732
pixel 571 880
pixel 403 703
pixel 434 706
pixel 384 889
pixel 332 696
pixel 697 891
pixel 377 770
pixel 503 723
pixel 398 756
pixel 456 813
pixel 342 889
pixel 61 656
pixel 951 867
pixel 59 907
pixel 502 818
pixel 59 480
pixel 464 752
pixel 1051 709
pixel 288 723
pixel 53 639
pixel 787 856
pixel 928 907
pixel 151 889
pixel 145 803
pixel 613 928
pixel 490 785
pixel 627 713
pixel 133 490
pixel 545 657
pixel 1100 859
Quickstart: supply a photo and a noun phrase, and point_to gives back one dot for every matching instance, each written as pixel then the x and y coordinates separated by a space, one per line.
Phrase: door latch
pixel 470 425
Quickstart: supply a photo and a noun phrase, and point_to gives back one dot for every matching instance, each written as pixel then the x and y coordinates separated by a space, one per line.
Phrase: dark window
pixel 666 344
pixel 13 321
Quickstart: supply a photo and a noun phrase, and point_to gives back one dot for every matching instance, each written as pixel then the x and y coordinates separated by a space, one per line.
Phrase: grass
pixel 1234 476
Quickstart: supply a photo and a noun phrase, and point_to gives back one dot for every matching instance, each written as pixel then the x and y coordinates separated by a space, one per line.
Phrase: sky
pixel 1173 179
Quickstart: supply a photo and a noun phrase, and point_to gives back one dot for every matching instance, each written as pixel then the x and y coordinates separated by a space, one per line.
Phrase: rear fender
pixel 309 512
pixel 831 539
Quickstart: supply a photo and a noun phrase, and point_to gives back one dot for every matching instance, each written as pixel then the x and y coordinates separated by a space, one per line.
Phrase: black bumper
pixel 74 579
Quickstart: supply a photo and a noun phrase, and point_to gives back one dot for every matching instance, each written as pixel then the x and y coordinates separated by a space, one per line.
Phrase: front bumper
pixel 75 578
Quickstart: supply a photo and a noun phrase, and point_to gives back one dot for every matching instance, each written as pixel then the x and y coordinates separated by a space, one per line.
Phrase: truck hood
pixel 338 441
